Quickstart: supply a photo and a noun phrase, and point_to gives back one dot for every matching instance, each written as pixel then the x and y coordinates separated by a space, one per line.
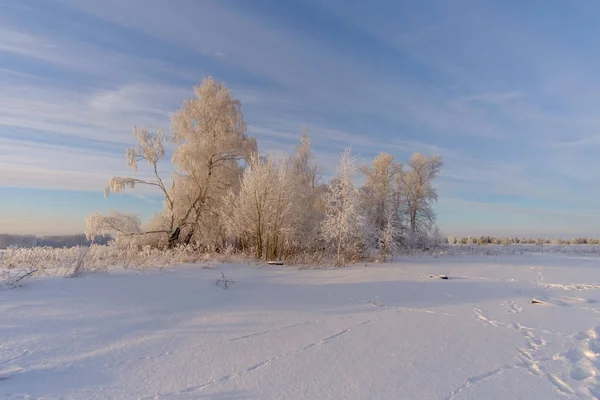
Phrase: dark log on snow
pixel 439 276
pixel 275 262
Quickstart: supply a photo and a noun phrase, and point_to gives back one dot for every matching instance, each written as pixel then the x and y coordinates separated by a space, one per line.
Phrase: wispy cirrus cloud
pixel 101 114
pixel 478 83
pixel 27 164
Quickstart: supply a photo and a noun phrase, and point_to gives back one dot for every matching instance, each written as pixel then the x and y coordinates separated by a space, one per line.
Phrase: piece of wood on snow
pixel 439 276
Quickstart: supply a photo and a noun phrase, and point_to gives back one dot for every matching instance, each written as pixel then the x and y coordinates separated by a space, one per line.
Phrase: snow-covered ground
pixel 363 332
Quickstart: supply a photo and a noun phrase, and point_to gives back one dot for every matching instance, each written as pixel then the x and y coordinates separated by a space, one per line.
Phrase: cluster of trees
pixel 225 193
pixel 483 240
pixel 579 241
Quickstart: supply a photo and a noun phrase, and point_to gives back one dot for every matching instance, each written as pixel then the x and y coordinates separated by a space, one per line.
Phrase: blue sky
pixel 507 92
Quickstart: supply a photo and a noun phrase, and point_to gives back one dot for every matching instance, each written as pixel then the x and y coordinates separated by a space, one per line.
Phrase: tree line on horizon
pixel 54 241
pixel 66 241
pixel 224 193
pixel 483 240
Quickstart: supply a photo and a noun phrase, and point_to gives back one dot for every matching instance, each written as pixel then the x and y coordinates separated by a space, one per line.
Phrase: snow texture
pixel 362 332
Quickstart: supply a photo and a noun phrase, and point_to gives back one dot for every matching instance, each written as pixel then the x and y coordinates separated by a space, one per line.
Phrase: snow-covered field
pixel 363 332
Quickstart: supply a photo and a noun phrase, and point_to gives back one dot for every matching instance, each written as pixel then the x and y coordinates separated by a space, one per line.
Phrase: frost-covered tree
pixel 209 142
pixel 246 212
pixel 390 235
pixel 418 192
pixel 343 221
pixel 306 178
pixel 209 133
pixel 381 203
pixel 379 184
pixel 273 210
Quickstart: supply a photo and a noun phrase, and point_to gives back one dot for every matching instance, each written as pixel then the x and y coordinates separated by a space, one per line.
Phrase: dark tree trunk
pixel 174 238
pixel 188 238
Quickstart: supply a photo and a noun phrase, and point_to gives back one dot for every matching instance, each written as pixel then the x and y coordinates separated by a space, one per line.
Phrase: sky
pixel 506 92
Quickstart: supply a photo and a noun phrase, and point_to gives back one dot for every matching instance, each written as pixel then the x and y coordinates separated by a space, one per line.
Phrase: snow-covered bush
pixel 96 258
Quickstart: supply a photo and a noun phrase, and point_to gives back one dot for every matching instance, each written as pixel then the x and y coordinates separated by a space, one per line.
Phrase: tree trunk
pixel 383 251
pixel 174 238
pixel 267 247
pixel 259 248
pixel 188 238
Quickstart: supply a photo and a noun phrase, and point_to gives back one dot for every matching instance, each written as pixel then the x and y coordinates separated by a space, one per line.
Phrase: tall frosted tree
pixel 209 141
pixel 209 134
pixel 343 223
pixel 418 192
pixel 380 202
pixel 306 177
pixel 247 212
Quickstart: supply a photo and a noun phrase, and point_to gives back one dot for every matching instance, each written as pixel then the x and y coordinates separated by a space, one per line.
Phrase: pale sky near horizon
pixel 506 92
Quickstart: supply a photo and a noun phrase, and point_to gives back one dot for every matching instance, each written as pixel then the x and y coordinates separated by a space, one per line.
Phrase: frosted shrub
pixel 96 258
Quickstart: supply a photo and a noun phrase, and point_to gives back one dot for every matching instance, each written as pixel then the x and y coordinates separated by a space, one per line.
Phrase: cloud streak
pixel 473 82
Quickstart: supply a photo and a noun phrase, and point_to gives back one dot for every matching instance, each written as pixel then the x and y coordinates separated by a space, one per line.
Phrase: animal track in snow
pixel 256 334
pixel 533 342
pixel 529 361
pixel 573 286
pixel 539 275
pixel 566 301
pixel 583 360
pixel 499 324
pixel 478 378
pixel 513 308
pixel 261 364
pixel 479 315
pixel 583 363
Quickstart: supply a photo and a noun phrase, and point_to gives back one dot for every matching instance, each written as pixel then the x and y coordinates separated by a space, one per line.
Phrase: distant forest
pixel 66 241
pixel 483 240
pixel 57 241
